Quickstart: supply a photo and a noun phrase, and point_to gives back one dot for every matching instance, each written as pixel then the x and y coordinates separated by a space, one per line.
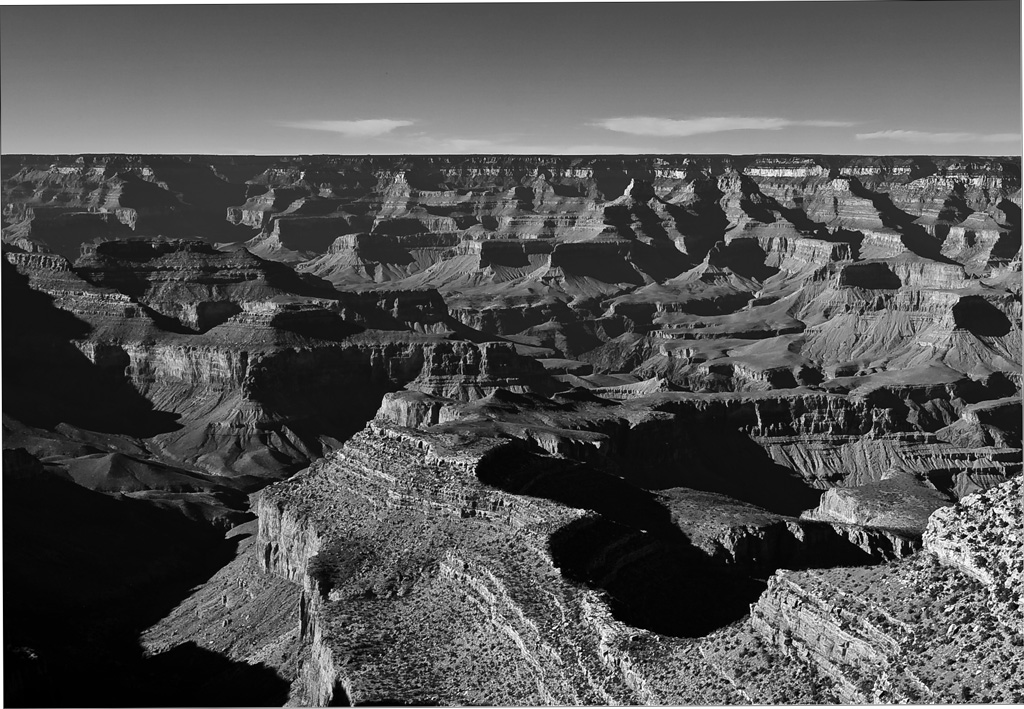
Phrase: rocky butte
pixel 512 430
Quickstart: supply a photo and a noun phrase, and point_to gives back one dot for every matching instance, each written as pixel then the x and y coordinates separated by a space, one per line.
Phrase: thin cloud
pixel 509 144
pixel 681 128
pixel 368 128
pixel 920 136
pixel 462 145
pixel 421 142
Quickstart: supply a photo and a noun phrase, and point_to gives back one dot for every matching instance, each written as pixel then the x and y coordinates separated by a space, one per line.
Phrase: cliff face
pixel 607 399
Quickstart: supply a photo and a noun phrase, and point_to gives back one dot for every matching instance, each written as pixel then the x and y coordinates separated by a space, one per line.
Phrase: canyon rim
pixel 419 417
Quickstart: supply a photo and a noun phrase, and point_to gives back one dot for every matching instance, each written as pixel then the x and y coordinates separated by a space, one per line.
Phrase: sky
pixel 877 78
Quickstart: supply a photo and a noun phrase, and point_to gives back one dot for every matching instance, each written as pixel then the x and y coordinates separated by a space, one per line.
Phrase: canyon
pixel 512 430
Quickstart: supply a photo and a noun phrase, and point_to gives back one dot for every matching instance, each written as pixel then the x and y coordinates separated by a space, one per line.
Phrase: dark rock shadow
pixel 871 275
pixel 425 180
pixel 324 392
pixel 914 236
pixel 979 317
pixel 402 226
pixel 635 552
pixel 757 211
pixel 84 575
pixel 384 251
pixel 922 166
pixel 189 675
pixel 744 257
pixel 650 222
pixel 620 218
pixel 65 232
pixel 597 263
pixel 310 232
pixel 523 472
pixel 611 183
pixel 653 577
pixel 47 380
pixel 650 581
pixel 712 458
pixel 339 697
pixel 702 220
pixel 1009 243
pixel 317 325
pixel 1012 211
pixel 660 262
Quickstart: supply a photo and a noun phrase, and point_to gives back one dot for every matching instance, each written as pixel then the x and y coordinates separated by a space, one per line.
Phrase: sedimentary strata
pixel 524 429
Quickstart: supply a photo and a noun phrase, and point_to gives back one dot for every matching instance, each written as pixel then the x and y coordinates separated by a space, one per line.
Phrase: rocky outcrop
pixel 357 259
pixel 188 281
pixel 897 502
pixel 931 639
pixel 986 423
pixel 918 630
pixel 734 533
pixel 981 536
pixel 433 578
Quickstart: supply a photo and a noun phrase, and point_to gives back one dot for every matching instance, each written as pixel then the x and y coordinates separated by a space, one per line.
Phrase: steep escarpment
pixel 609 398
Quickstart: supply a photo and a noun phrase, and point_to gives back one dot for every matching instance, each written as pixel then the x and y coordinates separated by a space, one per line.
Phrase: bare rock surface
pixel 241 612
pixel 515 429
pixel 981 536
pixel 944 626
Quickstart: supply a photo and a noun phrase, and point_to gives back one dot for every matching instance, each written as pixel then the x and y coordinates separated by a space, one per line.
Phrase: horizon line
pixel 497 154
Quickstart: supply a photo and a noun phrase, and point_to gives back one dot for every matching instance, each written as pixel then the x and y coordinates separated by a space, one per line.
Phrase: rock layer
pixel 608 400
